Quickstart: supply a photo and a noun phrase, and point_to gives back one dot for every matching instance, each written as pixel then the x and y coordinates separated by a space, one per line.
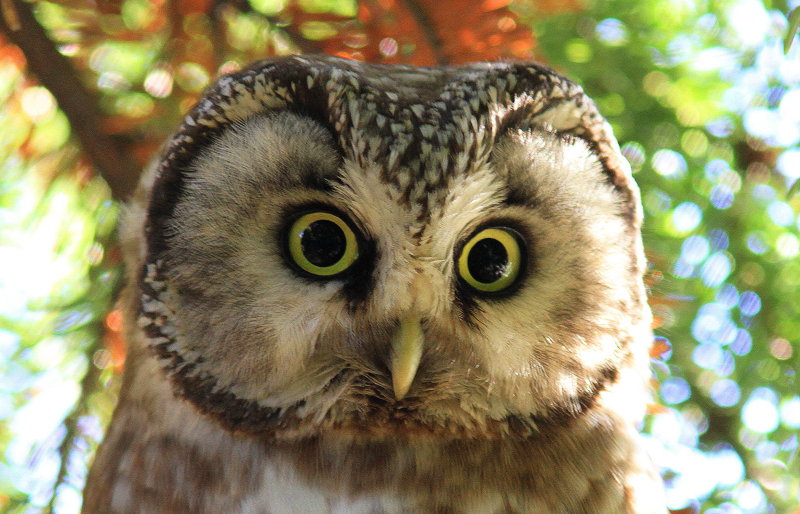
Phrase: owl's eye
pixel 491 260
pixel 322 244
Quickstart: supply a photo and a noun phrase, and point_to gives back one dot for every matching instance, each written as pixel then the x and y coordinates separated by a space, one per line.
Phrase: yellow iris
pixel 491 260
pixel 322 244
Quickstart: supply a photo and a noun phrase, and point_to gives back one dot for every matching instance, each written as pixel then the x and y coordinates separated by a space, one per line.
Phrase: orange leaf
pixel 656 409
pixel 659 348
pixel 662 300
pixel 13 55
pixel 491 5
pixel 114 341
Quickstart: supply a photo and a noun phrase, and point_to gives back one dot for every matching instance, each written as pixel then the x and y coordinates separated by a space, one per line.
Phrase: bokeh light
pixel 716 269
pixel 686 217
pixel 726 393
pixel 760 411
pixel 675 390
pixel 670 164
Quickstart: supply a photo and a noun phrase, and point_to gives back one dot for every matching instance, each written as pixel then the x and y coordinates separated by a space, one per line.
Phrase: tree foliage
pixel 700 93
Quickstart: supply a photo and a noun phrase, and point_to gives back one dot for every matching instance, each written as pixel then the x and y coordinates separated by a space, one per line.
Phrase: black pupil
pixel 323 243
pixel 487 261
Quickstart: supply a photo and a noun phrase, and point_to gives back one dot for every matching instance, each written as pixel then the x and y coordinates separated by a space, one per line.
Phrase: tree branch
pixel 429 29
pixel 89 384
pixel 56 73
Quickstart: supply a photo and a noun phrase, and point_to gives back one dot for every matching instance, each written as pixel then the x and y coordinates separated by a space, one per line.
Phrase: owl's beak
pixel 406 352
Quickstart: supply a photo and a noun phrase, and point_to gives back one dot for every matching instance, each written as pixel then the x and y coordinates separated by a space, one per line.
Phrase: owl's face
pixel 336 246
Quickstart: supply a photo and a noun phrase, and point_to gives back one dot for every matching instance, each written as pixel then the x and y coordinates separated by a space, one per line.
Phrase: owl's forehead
pixel 415 124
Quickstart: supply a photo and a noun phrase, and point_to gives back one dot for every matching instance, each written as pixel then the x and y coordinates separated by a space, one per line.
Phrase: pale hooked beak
pixel 406 352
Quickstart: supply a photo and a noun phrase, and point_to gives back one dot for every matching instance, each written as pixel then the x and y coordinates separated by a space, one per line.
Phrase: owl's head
pixel 332 245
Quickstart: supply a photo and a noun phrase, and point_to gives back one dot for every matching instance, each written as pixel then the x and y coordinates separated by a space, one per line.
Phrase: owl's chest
pixel 281 491
pixel 361 484
pixel 194 467
pixel 324 476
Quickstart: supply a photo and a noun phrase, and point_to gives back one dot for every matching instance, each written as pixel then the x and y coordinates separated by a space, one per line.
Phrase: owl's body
pixel 355 288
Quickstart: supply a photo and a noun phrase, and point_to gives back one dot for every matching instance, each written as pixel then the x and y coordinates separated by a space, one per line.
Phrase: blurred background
pixel 703 96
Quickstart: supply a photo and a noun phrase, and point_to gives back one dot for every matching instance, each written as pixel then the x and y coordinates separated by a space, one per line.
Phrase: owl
pixel 359 288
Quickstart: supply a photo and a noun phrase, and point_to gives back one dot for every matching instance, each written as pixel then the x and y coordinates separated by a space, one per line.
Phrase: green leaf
pixel 795 189
pixel 794 24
